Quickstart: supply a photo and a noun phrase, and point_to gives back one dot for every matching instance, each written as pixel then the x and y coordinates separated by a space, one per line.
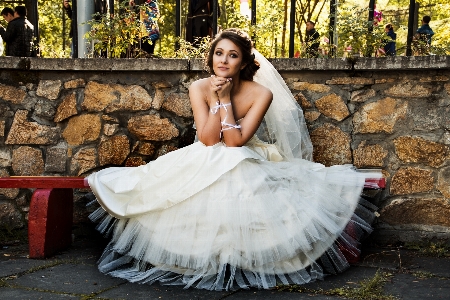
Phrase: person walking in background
pixel 199 21
pixel 422 38
pixel 312 40
pixel 425 32
pixel 149 15
pixel 389 47
pixel 7 14
pixel 19 34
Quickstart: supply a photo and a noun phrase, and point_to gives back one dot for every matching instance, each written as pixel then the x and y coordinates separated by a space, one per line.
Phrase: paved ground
pixel 383 273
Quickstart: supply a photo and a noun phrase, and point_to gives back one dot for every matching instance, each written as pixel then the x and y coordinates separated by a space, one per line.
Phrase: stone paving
pixel 73 274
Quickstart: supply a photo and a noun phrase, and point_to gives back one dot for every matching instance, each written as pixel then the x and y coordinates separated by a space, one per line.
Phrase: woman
pixel 230 210
pixel 389 47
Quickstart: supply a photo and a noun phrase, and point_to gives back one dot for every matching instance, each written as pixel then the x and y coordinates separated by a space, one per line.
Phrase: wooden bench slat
pixel 42 182
pixel 48 182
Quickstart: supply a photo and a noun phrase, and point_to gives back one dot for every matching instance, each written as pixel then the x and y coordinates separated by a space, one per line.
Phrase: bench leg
pixel 50 221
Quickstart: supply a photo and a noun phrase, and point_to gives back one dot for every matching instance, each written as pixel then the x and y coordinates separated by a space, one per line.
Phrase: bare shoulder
pixel 261 92
pixel 200 84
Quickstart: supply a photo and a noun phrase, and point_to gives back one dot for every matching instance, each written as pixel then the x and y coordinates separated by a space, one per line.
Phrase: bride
pixel 243 206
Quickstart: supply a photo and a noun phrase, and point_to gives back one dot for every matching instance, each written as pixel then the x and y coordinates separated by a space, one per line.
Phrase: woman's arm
pixel 236 137
pixel 208 124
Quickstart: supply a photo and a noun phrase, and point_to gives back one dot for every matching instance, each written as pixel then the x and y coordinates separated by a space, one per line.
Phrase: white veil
pixel 284 124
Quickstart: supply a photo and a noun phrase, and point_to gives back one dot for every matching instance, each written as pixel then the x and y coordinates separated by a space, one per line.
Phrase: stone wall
pixel 69 117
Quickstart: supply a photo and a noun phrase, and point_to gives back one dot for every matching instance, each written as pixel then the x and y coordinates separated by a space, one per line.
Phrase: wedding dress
pixel 218 217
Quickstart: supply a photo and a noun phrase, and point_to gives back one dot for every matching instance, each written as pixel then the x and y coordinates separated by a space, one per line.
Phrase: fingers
pixel 219 81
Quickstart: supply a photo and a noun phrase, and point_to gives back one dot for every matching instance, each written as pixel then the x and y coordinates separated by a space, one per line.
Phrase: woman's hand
pixel 220 88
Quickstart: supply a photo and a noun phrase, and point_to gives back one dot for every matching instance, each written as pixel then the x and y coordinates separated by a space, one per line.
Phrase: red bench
pixel 51 210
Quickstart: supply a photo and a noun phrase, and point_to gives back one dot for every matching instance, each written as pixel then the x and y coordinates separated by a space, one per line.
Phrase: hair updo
pixel 242 40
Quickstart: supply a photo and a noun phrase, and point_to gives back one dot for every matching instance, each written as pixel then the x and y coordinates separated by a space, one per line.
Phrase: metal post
pixel 75 29
pixel 412 5
pixel 64 24
pixel 177 23
pixel 35 17
pixel 111 7
pixel 215 10
pixel 253 20
pixel 369 49
pixel 332 29
pixel 85 10
pixel 292 29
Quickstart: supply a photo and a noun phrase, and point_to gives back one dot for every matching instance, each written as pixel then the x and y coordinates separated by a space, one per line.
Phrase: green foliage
pixel 51 30
pixel 187 50
pixel 353 31
pixel 267 33
pixel 117 35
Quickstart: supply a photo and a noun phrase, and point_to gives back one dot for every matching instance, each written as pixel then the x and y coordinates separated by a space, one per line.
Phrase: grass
pixel 430 249
pixel 368 289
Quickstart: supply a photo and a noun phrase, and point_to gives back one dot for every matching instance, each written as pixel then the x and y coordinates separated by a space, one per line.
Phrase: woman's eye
pixel 218 53
pixel 233 56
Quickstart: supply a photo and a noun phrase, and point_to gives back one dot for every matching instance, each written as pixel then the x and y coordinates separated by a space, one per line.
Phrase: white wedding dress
pixel 218 217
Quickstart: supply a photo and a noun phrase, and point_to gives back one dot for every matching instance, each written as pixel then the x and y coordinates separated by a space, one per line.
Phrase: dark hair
pixel 426 19
pixel 7 11
pixel 242 40
pixel 309 21
pixel 389 26
pixel 21 11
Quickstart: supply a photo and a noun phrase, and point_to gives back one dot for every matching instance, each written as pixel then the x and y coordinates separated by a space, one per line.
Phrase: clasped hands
pixel 220 88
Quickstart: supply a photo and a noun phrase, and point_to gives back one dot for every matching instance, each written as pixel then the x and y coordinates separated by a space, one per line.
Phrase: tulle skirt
pixel 222 218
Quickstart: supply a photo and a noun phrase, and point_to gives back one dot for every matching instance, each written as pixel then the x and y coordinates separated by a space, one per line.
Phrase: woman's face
pixel 227 59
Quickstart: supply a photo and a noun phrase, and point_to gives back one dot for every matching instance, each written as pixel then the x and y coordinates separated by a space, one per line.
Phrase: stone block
pixel 84 160
pixel 331 145
pixel 134 161
pixel 49 89
pixel 332 106
pixel 114 150
pixel 8 193
pixel 311 116
pixel 380 116
pixel 179 104
pixel 5 157
pixel 75 83
pixel 27 161
pixel 418 150
pixel 369 155
pixel 311 87
pixel 12 94
pixel 24 132
pixel 302 101
pixel 110 129
pixel 10 216
pixel 67 108
pixel 152 128
pixel 412 180
pixel 408 90
pixel 115 97
pixel 443 184
pixel 56 160
pixel 351 80
pixel 362 95
pixel 82 129
pixel 159 99
pixel 424 211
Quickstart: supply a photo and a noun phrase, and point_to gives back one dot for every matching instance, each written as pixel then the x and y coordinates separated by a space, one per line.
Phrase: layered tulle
pixel 221 218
